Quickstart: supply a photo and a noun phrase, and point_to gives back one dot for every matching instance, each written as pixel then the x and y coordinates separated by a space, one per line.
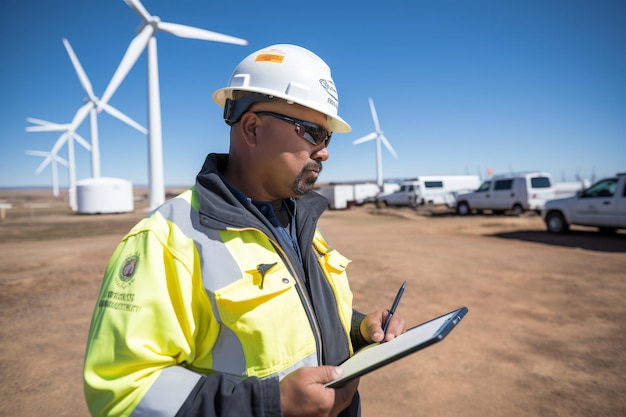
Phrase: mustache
pixel 315 165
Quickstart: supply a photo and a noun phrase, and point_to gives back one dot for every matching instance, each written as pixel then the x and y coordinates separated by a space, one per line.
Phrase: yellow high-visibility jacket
pixel 201 310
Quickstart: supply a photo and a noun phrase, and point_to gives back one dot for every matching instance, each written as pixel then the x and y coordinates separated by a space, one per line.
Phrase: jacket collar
pixel 219 204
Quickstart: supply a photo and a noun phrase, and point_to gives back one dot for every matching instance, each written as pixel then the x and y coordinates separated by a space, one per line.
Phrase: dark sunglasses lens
pixel 312 132
pixel 317 134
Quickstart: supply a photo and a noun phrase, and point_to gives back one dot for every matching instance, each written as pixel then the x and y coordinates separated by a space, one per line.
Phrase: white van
pixel 515 192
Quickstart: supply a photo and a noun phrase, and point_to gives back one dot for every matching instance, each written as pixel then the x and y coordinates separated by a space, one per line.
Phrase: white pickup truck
pixel 429 190
pixel 602 205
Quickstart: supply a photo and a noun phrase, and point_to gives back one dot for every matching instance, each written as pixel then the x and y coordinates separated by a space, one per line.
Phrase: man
pixel 227 300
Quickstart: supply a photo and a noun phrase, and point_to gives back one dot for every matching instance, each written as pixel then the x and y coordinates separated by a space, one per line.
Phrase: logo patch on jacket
pixel 127 271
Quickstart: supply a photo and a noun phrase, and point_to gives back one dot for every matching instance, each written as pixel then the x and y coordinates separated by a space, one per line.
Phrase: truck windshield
pixel 605 188
pixel 484 186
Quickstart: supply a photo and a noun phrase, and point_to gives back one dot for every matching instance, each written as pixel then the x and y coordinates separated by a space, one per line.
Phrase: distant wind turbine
pixel 380 137
pixel 68 136
pixel 51 159
pixel 146 38
pixel 91 104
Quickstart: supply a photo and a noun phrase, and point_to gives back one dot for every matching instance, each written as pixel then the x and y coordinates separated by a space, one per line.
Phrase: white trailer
pixel 365 192
pixel 340 196
pixel 566 189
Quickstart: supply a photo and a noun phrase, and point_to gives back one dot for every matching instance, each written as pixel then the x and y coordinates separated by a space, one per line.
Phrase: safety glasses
pixel 312 132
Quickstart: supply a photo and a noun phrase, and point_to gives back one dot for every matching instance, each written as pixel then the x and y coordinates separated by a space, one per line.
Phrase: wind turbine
pixel 146 39
pixel 92 102
pixel 46 126
pixel 69 129
pixel 380 137
pixel 51 159
pixel 68 136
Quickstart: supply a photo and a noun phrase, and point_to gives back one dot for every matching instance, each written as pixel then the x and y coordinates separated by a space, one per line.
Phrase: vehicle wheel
pixel 463 209
pixel 381 203
pixel 555 222
pixel 518 210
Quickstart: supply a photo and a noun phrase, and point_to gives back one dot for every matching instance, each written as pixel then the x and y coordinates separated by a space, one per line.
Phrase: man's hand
pixel 302 392
pixel 372 327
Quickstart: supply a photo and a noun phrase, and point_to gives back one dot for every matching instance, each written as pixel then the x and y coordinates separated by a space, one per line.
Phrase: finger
pixel 330 373
pixel 397 326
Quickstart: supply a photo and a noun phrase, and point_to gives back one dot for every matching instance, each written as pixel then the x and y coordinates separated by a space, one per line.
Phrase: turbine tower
pixel 91 104
pixel 146 39
pixel 380 137
pixel 51 159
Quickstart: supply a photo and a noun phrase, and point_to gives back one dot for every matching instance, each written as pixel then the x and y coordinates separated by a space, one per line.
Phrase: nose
pixel 321 152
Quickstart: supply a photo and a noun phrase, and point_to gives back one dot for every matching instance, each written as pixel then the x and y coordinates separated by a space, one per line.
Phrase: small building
pixel 104 195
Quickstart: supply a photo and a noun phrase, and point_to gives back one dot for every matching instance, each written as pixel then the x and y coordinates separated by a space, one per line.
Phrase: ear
pixel 248 125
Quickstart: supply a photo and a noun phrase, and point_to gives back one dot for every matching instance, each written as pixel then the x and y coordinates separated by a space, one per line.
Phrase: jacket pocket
pixel 264 311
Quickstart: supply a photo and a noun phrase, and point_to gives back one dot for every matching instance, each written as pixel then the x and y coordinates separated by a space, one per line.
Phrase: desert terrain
pixel 545 334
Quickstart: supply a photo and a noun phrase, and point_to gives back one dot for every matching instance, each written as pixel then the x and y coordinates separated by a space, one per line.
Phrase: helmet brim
pixel 335 123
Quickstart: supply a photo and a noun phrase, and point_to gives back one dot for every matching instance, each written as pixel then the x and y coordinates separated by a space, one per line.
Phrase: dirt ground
pixel 545 334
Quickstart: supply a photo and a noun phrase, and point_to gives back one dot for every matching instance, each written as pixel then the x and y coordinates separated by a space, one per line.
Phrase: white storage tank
pixel 104 195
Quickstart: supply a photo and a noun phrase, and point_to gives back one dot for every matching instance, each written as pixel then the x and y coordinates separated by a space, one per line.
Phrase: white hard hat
pixel 283 71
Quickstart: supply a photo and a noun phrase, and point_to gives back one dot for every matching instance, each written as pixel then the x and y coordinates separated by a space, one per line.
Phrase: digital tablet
pixel 376 355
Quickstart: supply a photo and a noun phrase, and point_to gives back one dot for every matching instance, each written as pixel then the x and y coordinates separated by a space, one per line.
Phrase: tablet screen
pixel 376 355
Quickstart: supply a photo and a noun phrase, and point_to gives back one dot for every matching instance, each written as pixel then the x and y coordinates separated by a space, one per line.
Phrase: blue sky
pixel 460 86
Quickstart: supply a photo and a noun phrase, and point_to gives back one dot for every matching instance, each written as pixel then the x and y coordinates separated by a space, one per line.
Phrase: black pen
pixel 394 306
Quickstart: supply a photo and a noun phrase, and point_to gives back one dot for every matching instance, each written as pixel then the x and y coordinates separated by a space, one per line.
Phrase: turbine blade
pixel 82 76
pixel 121 116
pixel 53 127
pixel 60 160
pixel 37 153
pixel 184 31
pixel 388 146
pixel 138 7
pixel 52 156
pixel 82 141
pixel 53 152
pixel 374 115
pixel 365 138
pixel 135 49
pixel 39 121
pixel 81 115
pixel 43 164
pixel 59 143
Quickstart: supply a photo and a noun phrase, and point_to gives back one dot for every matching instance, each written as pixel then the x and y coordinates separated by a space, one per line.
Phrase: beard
pixel 303 185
